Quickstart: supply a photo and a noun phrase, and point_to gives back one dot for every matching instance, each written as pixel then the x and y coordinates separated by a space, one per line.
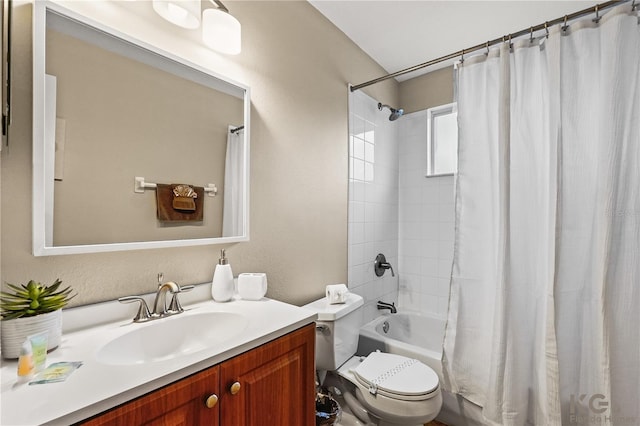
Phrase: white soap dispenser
pixel 222 284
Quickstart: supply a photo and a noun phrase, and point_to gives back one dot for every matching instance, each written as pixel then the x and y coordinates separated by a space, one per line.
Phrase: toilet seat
pixel 396 377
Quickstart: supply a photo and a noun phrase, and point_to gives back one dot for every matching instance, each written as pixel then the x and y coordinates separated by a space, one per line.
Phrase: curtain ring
pixel 597 18
pixel 487 46
pixel 531 35
pixel 462 57
pixel 510 45
pixel 633 5
pixel 546 28
pixel 565 26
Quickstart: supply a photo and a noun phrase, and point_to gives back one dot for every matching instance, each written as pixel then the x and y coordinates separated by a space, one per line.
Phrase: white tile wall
pixel 394 209
pixel 426 224
pixel 373 201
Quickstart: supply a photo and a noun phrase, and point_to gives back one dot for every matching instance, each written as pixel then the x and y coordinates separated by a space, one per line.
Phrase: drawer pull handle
pixel 235 388
pixel 212 400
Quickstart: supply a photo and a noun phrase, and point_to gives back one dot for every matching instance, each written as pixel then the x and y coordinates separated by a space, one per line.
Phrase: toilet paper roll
pixel 337 293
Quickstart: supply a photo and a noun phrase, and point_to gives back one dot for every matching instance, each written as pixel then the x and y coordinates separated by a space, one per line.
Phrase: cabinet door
pixel 272 384
pixel 190 401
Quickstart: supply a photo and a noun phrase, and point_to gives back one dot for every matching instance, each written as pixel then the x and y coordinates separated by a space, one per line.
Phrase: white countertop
pixel 96 387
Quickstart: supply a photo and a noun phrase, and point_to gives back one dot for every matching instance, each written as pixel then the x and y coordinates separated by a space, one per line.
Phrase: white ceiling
pixel 399 34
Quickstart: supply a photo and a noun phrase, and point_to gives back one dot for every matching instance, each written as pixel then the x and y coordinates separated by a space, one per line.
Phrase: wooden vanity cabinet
pixel 272 384
pixel 180 403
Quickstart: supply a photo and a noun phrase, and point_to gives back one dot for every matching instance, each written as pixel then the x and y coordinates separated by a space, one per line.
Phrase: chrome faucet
pixel 390 306
pixel 160 303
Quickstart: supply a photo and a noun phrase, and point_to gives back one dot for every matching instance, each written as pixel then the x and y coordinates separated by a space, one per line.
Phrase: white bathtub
pixel 418 336
pixel 410 334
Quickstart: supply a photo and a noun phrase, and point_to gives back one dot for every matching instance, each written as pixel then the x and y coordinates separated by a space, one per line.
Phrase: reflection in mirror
pixel 108 110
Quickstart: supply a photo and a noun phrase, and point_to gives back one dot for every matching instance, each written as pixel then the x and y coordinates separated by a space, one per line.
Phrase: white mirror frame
pixel 44 151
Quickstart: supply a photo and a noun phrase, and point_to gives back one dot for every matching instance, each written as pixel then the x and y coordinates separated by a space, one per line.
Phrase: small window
pixel 442 140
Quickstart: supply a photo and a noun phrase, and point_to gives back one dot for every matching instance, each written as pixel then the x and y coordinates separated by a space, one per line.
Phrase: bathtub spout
pixel 390 306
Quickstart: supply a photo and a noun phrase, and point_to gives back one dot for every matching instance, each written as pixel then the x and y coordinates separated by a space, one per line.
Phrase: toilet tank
pixel 337 330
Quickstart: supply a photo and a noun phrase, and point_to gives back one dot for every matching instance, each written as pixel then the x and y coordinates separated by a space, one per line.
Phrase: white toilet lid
pixel 396 376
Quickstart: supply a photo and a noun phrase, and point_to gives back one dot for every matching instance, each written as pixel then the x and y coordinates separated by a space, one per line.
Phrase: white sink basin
pixel 171 337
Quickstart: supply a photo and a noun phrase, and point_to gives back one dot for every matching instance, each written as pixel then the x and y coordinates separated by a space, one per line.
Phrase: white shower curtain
pixel 544 318
pixel 233 207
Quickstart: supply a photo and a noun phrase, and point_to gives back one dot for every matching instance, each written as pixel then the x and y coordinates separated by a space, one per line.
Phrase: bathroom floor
pixel 435 423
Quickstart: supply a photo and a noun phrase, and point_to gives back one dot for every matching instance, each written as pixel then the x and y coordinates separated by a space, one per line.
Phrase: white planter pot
pixel 16 331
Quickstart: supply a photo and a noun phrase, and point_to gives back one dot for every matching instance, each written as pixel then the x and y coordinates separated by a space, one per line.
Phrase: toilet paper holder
pixel 381 265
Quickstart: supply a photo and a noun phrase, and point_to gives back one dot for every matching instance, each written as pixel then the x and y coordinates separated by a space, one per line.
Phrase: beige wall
pixel 118 126
pixel 426 91
pixel 298 66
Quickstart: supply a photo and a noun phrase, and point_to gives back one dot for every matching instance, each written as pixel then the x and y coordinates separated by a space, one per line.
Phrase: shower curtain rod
pixel 545 26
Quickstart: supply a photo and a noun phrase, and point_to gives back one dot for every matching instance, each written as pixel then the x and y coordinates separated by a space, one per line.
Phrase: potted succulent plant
pixel 31 309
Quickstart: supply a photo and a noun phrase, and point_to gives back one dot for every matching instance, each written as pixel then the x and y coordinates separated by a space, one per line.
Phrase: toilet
pixel 389 389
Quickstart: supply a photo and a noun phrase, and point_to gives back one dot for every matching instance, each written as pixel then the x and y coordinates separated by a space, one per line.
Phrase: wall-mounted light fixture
pixel 220 30
pixel 183 13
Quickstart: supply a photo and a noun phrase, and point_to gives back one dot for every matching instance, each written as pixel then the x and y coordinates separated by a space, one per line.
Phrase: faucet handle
pixel 175 306
pixel 143 311
pixel 186 288
pixel 381 265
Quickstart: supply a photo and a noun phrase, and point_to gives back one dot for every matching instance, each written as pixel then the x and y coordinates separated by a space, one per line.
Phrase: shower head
pixel 395 113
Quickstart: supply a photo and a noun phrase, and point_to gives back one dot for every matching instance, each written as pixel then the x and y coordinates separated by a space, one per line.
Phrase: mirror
pixel 114 116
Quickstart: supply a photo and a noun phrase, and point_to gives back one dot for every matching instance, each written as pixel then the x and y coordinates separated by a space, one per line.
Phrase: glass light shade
pixel 221 31
pixel 184 13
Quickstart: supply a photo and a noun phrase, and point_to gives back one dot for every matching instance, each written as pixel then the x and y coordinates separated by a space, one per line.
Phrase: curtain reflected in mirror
pixel 232 220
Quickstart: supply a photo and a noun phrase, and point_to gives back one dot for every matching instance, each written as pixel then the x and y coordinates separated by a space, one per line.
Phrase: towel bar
pixel 140 185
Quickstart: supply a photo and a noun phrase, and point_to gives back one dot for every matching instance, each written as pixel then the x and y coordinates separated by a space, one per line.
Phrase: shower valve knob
pixel 381 265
